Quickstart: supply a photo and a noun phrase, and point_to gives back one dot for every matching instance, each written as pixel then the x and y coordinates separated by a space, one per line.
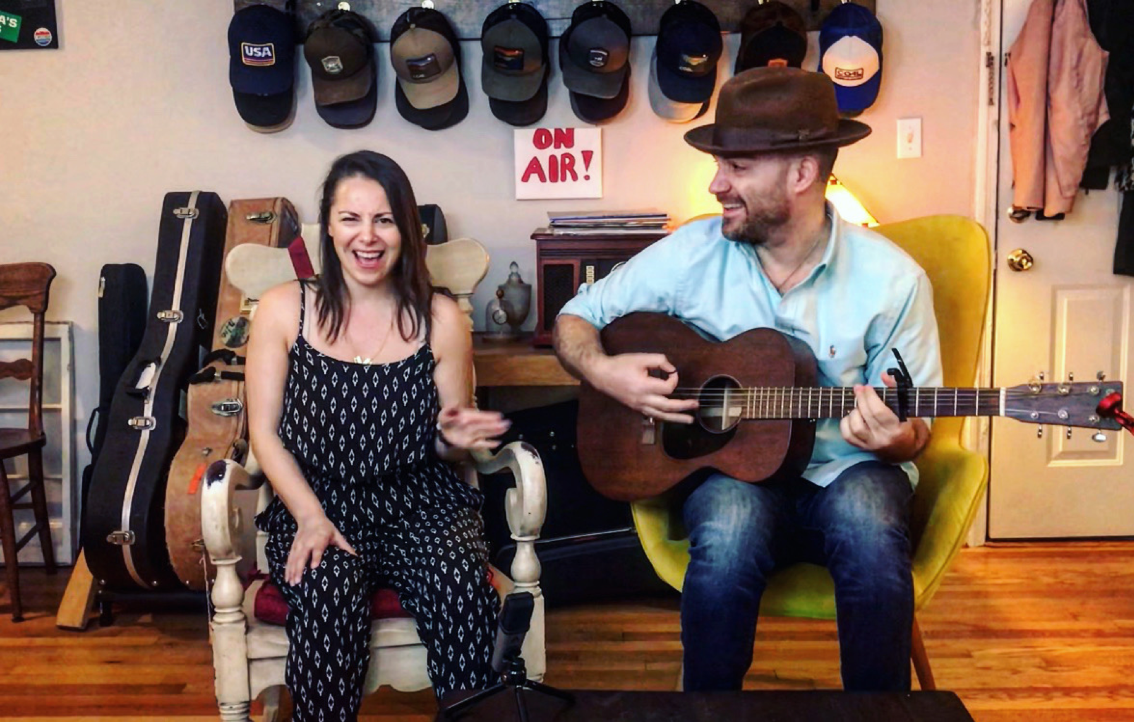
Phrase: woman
pixel 345 379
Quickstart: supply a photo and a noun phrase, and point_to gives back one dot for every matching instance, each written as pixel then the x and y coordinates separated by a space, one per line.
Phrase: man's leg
pixel 733 527
pixel 862 523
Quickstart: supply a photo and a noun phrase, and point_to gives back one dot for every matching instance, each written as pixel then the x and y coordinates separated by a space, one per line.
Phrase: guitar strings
pixel 774 402
pixel 794 392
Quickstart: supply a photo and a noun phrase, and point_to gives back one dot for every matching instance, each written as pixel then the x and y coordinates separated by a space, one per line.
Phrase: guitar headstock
pixel 1062 404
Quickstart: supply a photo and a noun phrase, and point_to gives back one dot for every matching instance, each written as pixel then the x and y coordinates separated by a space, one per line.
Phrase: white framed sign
pixel 558 163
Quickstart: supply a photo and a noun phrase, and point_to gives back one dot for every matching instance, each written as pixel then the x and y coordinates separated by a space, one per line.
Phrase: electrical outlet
pixel 909 137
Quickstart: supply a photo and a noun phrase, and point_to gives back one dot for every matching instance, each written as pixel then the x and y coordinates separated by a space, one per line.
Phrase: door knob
pixel 1020 260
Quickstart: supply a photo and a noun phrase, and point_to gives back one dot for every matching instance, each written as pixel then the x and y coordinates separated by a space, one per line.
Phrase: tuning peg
pixel 1070 375
pixel 1101 376
pixel 1099 437
pixel 1041 375
pixel 1068 432
pixel 1039 432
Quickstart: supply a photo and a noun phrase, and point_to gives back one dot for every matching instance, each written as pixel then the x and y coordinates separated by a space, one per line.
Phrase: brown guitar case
pixel 218 427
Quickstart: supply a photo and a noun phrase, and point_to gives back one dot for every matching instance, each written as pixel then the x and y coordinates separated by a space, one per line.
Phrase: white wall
pixel 136 103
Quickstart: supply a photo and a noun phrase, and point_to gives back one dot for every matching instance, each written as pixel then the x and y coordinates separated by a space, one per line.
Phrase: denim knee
pixel 865 517
pixel 731 526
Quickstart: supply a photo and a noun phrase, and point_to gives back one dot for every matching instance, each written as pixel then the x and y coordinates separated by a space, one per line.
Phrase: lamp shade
pixel 849 207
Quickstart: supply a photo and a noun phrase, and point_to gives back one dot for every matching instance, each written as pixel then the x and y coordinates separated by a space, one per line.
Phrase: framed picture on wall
pixel 28 25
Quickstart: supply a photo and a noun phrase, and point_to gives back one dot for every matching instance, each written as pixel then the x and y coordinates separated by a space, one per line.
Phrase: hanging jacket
pixel 1112 22
pixel 1055 103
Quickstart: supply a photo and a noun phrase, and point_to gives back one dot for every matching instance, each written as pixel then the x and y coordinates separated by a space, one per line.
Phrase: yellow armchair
pixel 954 251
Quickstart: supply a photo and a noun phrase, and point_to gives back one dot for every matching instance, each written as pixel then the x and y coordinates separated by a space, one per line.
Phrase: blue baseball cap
pixel 688 47
pixel 850 53
pixel 261 70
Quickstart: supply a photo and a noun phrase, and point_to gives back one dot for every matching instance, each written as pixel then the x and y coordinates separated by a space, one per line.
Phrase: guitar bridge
pixel 649 431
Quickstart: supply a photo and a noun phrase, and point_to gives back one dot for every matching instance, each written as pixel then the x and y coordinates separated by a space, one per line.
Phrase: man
pixel 779 256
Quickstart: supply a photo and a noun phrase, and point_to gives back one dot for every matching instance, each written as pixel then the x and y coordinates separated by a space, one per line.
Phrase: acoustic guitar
pixel 759 403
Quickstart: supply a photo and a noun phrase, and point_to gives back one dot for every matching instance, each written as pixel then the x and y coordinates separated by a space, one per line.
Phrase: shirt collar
pixel 832 239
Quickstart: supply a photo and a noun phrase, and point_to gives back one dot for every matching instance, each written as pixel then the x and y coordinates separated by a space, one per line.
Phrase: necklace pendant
pixel 363 361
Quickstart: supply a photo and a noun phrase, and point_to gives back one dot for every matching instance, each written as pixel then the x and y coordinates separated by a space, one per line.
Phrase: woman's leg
pixel 444 584
pixel 328 628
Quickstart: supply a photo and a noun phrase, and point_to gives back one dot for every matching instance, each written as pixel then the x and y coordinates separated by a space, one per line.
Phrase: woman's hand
pixel 468 428
pixel 314 535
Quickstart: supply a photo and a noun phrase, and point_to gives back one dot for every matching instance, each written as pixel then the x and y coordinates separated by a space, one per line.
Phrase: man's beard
pixel 759 221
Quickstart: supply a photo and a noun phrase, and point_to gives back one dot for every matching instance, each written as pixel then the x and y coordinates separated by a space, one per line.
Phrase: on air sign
pixel 558 163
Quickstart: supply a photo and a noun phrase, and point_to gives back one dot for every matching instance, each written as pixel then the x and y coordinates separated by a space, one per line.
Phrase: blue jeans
pixel 739 533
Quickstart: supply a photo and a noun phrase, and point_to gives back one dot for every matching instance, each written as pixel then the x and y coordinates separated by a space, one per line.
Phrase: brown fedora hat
pixel 776 109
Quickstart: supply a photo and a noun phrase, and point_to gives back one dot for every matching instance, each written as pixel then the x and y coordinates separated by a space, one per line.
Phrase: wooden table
pixel 517 363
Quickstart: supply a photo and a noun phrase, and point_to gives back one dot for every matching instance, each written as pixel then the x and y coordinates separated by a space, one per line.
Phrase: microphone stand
pixel 513 676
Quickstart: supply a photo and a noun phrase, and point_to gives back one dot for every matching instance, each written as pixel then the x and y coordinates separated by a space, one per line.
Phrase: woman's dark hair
pixel 410 276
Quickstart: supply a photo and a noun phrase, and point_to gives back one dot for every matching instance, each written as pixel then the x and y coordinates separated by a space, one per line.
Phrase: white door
pixel 1068 314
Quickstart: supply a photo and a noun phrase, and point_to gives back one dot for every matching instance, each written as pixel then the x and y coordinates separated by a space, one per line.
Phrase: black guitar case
pixel 124 520
pixel 121 323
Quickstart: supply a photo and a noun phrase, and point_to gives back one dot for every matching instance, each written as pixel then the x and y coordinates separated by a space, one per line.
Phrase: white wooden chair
pixel 249 655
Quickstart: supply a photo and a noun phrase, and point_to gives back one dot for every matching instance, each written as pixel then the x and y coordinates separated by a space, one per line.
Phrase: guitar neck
pixel 835 402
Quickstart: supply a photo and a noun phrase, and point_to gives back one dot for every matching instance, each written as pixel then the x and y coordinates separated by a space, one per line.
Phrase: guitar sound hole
pixel 716 419
pixel 721 406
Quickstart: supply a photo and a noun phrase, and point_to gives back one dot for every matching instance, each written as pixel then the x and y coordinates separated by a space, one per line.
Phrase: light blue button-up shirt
pixel 865 297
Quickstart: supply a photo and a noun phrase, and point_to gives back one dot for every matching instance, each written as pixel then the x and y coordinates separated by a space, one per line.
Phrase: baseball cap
pixel 850 52
pixel 436 118
pixel 339 48
pixel 514 40
pixel 771 34
pixel 683 68
pixel 688 47
pixel 426 57
pixel 664 107
pixel 515 66
pixel 261 68
pixel 352 114
pixel 523 112
pixel 595 110
pixel 594 51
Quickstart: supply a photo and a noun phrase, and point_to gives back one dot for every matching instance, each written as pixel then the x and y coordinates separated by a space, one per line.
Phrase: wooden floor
pixel 1039 632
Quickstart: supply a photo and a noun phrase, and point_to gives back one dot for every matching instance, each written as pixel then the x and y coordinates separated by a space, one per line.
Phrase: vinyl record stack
pixel 609 224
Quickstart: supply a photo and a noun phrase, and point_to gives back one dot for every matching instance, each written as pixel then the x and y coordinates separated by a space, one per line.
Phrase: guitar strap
pixel 904 383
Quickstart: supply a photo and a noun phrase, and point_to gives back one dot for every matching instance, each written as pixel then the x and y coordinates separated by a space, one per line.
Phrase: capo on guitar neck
pixel 1111 408
pixel 904 383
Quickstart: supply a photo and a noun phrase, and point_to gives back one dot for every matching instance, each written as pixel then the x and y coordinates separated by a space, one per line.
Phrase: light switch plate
pixel 909 137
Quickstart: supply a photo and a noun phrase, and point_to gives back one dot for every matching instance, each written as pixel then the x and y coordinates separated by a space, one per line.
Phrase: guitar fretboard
pixel 836 402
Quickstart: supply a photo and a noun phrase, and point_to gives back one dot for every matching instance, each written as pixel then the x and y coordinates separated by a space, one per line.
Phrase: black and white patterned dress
pixel 363 436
